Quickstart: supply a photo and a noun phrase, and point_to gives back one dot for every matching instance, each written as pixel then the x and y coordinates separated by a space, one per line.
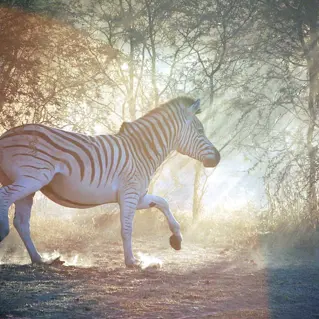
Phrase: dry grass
pixel 235 231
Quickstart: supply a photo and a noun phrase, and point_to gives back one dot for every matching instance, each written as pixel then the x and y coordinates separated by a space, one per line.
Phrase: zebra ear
pixel 194 109
pixel 124 127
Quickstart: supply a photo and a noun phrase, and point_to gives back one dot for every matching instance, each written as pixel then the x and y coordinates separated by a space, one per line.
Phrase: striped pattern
pixel 83 171
pixel 93 157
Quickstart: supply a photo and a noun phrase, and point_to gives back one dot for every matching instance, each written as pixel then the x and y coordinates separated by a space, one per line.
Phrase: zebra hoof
pixel 57 262
pixel 175 242
pixel 132 263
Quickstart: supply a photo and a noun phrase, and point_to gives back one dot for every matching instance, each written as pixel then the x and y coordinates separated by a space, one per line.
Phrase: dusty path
pixel 197 282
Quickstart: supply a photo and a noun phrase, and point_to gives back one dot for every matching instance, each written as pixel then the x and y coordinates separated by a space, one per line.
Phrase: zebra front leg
pixel 128 203
pixel 155 201
pixel 21 222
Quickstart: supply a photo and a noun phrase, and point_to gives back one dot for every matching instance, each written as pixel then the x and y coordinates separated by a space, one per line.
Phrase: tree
pixel 48 68
pixel 277 102
pixel 210 30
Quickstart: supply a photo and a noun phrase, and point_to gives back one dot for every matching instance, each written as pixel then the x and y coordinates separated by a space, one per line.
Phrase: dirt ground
pixel 197 282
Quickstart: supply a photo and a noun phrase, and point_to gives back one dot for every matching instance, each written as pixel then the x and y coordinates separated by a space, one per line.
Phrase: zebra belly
pixel 64 191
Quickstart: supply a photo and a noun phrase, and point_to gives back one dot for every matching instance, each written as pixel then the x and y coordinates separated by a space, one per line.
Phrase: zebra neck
pixel 150 143
pixel 150 154
pixel 157 136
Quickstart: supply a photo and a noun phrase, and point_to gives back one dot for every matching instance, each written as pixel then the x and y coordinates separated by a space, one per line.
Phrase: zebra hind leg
pixel 155 201
pixel 21 222
pixel 4 208
pixel 21 193
pixel 4 219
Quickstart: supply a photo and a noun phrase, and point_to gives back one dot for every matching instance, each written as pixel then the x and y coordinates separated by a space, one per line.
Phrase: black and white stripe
pixel 82 171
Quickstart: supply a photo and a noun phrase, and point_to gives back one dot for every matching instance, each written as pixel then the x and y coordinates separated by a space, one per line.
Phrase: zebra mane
pixel 123 125
pixel 170 104
pixel 174 103
pixel 180 100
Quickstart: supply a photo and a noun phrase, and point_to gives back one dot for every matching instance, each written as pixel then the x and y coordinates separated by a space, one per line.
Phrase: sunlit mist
pixel 147 261
pixel 76 259
pixel 124 66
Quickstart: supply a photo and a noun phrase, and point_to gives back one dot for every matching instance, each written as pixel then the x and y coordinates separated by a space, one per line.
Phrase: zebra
pixel 82 171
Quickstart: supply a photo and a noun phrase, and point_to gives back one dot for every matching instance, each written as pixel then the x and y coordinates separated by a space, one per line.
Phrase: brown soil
pixel 197 282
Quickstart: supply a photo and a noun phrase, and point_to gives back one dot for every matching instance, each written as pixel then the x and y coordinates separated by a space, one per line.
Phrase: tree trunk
pixel 131 100
pixel 152 52
pixel 311 10
pixel 131 103
pixel 197 192
pixel 199 169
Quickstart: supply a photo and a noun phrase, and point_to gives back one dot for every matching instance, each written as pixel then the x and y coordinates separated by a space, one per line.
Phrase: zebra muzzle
pixel 212 160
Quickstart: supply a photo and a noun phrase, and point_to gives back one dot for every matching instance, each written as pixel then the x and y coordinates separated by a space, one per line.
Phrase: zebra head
pixel 193 141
